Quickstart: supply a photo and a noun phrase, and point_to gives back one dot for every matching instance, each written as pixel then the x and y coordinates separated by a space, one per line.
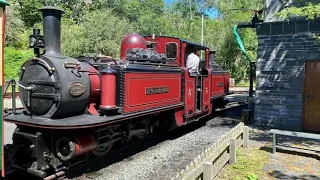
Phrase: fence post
pixel 232 151
pixel 207 170
pixel 245 136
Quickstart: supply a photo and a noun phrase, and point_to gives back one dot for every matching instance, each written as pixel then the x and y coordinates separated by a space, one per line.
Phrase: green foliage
pixel 29 11
pixel 14 28
pixel 249 165
pixel 73 40
pixel 103 36
pixel 251 176
pixel 97 27
pixel 309 11
pixel 13 60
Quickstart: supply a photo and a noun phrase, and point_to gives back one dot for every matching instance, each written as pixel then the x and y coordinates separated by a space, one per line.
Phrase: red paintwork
pixel 210 108
pixel 94 90
pixel 84 144
pixel 108 91
pixel 183 58
pixel 133 40
pixel 189 94
pixel 207 59
pixel 95 125
pixel 2 74
pixel 179 117
pixel 226 83
pixel 206 91
pixel 161 45
pixel 196 116
pixel 135 91
pixel 95 84
pixel 215 90
pixel 92 109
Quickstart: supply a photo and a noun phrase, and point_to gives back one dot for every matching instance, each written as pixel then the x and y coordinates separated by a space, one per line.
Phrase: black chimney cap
pixel 51 8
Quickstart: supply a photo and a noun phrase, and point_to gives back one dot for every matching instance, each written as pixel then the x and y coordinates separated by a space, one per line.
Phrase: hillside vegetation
pixel 92 27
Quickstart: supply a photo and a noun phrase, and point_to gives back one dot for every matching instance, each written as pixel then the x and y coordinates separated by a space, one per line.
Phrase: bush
pixel 13 59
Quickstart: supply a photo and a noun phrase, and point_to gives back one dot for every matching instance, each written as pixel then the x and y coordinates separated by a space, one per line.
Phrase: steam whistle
pixel 36 41
pixel 152 44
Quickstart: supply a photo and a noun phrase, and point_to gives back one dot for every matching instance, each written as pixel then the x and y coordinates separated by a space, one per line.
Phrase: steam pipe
pixel 244 25
pixel 52 30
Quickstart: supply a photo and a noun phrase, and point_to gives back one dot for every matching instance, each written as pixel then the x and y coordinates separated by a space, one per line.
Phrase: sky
pixel 212 13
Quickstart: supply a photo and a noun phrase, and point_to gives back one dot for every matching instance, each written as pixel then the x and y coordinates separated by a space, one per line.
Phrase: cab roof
pixel 184 41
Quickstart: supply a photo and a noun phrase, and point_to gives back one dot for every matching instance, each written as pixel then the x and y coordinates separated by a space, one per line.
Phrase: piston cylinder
pixel 67 149
pixel 108 89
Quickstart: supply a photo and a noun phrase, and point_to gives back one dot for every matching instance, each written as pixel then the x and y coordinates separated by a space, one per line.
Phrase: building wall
pixel 283 49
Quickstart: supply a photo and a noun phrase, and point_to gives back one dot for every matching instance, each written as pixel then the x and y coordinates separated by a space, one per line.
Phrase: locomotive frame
pixel 76 107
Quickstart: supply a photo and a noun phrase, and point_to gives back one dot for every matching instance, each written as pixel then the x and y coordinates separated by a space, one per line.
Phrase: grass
pixel 249 165
pixel 246 83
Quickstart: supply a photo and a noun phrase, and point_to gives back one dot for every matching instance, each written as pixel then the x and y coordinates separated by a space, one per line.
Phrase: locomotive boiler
pixel 78 107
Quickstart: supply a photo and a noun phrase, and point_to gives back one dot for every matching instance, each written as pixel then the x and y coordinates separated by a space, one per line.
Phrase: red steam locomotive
pixel 75 107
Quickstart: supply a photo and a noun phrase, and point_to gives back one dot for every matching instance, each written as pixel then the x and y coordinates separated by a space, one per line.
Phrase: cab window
pixel 171 50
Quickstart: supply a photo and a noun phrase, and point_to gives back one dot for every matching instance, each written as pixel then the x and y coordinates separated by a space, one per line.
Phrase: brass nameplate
pixel 220 84
pixel 76 89
pixel 157 90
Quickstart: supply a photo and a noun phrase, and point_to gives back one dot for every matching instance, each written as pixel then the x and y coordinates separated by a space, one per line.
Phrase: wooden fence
pixel 207 165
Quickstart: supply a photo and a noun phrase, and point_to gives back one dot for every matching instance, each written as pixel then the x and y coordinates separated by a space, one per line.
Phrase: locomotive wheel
pixel 141 135
pixel 102 150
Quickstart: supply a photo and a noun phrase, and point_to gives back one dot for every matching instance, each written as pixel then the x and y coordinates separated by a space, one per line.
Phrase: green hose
pixel 250 63
pixel 235 31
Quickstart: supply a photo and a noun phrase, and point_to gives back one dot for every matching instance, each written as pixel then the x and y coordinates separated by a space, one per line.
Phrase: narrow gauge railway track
pixel 123 152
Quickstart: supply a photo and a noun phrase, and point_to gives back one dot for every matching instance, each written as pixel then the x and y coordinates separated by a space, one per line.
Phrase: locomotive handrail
pixel 13 83
pixel 50 69
pixel 71 65
pixel 144 63
pixel 149 59
pixel 108 57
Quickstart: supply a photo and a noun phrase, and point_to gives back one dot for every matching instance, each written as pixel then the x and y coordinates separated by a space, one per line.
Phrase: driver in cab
pixel 193 60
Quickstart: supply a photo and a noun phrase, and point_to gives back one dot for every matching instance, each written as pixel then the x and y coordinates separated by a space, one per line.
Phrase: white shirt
pixel 192 63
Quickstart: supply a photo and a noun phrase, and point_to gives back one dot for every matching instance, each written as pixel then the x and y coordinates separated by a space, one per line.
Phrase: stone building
pixel 288 72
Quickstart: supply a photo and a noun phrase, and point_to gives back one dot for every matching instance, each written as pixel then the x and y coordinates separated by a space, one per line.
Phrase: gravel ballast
pixel 165 159
pixel 8 131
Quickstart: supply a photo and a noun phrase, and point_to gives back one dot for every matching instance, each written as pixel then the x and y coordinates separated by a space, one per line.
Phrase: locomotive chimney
pixel 52 30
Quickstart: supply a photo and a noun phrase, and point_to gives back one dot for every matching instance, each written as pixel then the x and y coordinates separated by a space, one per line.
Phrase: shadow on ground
pixel 281 175
pixel 261 135
pixel 289 164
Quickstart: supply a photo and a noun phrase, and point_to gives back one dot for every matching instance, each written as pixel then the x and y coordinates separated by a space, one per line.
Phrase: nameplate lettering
pixel 220 84
pixel 157 90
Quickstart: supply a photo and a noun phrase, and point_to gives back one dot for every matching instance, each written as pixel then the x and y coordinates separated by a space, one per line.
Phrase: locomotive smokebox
pixel 52 30
pixel 56 88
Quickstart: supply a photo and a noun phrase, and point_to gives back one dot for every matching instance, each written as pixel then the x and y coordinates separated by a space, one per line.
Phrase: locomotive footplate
pixel 81 121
